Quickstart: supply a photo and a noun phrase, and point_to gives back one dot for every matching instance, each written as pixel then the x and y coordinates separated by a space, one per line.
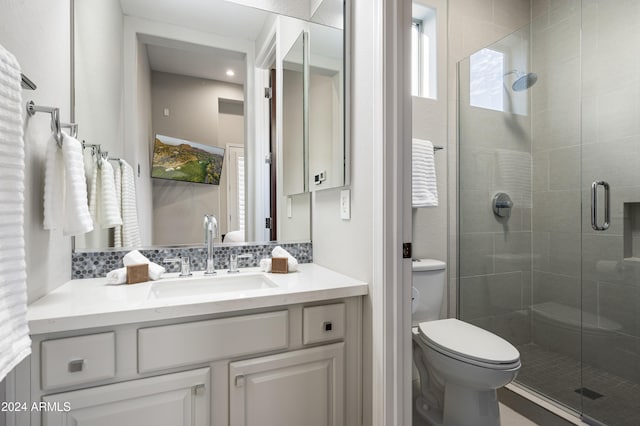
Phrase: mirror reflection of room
pixel 203 86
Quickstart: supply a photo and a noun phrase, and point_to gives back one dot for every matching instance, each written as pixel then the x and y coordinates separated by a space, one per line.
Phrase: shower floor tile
pixel 558 376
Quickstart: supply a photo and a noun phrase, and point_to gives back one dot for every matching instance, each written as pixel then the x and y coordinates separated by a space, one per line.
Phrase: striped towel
pixel 424 188
pixel 127 235
pixel 103 204
pixel 15 343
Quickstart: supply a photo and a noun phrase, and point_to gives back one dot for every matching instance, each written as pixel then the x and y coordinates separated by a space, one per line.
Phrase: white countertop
pixel 90 303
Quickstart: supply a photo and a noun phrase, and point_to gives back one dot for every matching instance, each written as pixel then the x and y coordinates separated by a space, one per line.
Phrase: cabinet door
pixel 170 400
pixel 304 387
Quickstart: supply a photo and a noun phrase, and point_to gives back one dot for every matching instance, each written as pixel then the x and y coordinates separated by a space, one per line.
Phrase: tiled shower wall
pixel 495 253
pixel 472 25
pixel 555 106
pixel 611 152
pixel 544 273
pixel 585 128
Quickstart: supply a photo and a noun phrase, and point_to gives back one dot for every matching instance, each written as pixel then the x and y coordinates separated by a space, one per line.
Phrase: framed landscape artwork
pixel 179 159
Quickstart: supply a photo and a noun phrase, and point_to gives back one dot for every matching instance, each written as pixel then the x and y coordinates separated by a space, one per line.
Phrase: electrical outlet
pixel 345 204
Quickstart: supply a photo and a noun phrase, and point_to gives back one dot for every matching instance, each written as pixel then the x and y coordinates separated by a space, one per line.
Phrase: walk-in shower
pixel 550 116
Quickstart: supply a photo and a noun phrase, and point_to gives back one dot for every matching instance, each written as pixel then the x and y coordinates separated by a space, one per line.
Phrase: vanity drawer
pixel 77 360
pixel 203 341
pixel 323 323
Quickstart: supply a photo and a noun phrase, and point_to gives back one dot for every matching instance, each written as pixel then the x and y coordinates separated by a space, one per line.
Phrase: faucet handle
pixel 185 264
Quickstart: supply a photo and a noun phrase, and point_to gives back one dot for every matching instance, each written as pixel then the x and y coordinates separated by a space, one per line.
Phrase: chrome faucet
pixel 210 232
pixel 185 265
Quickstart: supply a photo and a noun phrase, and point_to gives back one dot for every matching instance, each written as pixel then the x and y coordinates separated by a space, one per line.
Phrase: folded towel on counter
pixel 65 188
pixel 117 276
pixel 292 262
pixel 265 265
pixel 15 344
pixel 102 196
pixel 424 189
pixel 128 235
pixel 136 258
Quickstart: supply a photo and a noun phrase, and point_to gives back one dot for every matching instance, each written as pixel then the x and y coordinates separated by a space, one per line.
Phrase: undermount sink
pixel 203 285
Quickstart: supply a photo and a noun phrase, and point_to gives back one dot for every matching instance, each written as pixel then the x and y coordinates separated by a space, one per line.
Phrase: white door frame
pixel 391 300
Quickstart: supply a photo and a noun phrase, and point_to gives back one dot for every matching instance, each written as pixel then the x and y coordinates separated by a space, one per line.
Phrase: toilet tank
pixel 429 278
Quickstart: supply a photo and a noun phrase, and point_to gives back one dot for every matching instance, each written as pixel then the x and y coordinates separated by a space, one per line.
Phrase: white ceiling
pixel 220 17
pixel 213 65
pixel 213 16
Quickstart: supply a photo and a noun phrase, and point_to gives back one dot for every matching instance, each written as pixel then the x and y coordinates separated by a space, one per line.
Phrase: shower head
pixel 523 81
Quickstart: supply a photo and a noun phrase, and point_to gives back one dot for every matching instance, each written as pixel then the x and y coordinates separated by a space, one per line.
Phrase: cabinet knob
pixel 240 380
pixel 327 326
pixel 76 365
pixel 199 389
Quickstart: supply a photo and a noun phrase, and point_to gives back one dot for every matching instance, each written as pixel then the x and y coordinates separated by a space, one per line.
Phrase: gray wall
pixel 193 115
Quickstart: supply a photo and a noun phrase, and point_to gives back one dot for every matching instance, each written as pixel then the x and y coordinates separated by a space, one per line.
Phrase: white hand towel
pixel 265 265
pixel 117 276
pixel 292 262
pixel 424 189
pixel 53 186
pixel 108 211
pixel 15 344
pixel 77 219
pixel 117 232
pixel 136 258
pixel 93 192
pixel 129 232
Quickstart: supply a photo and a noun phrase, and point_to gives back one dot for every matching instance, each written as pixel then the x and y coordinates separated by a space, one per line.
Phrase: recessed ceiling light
pixel 230 73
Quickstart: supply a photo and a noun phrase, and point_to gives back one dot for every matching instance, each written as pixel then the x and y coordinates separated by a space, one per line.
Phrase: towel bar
pixel 56 125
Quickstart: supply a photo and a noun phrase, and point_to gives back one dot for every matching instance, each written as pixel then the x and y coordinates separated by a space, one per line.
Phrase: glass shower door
pixel 611 211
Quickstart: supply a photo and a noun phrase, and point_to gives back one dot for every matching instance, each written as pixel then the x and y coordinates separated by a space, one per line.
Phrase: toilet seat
pixel 470 344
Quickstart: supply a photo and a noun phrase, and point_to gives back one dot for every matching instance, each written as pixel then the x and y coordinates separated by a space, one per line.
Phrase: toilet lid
pixel 468 341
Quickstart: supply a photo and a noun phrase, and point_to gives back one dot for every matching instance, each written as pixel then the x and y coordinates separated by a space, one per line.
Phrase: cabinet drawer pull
pixel 327 326
pixel 199 389
pixel 76 365
pixel 240 380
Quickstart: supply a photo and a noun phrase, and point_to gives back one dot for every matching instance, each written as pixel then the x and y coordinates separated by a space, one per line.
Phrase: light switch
pixel 345 204
pixel 165 112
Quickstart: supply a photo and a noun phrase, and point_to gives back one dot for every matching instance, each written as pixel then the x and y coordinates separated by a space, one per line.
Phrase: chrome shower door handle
pixel 594 206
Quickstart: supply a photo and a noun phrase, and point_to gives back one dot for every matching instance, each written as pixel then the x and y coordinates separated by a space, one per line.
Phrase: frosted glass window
pixel 423 52
pixel 486 76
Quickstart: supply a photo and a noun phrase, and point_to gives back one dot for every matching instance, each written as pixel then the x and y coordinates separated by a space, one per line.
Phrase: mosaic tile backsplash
pixel 96 264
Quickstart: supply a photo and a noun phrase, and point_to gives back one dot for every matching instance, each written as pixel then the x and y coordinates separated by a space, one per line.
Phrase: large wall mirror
pixel 195 96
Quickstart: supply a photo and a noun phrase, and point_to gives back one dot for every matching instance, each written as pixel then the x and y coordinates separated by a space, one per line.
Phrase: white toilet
pixel 460 365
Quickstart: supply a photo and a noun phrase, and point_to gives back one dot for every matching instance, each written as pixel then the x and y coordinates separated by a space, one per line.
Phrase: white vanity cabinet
pixel 288 365
pixel 180 399
pixel 304 387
